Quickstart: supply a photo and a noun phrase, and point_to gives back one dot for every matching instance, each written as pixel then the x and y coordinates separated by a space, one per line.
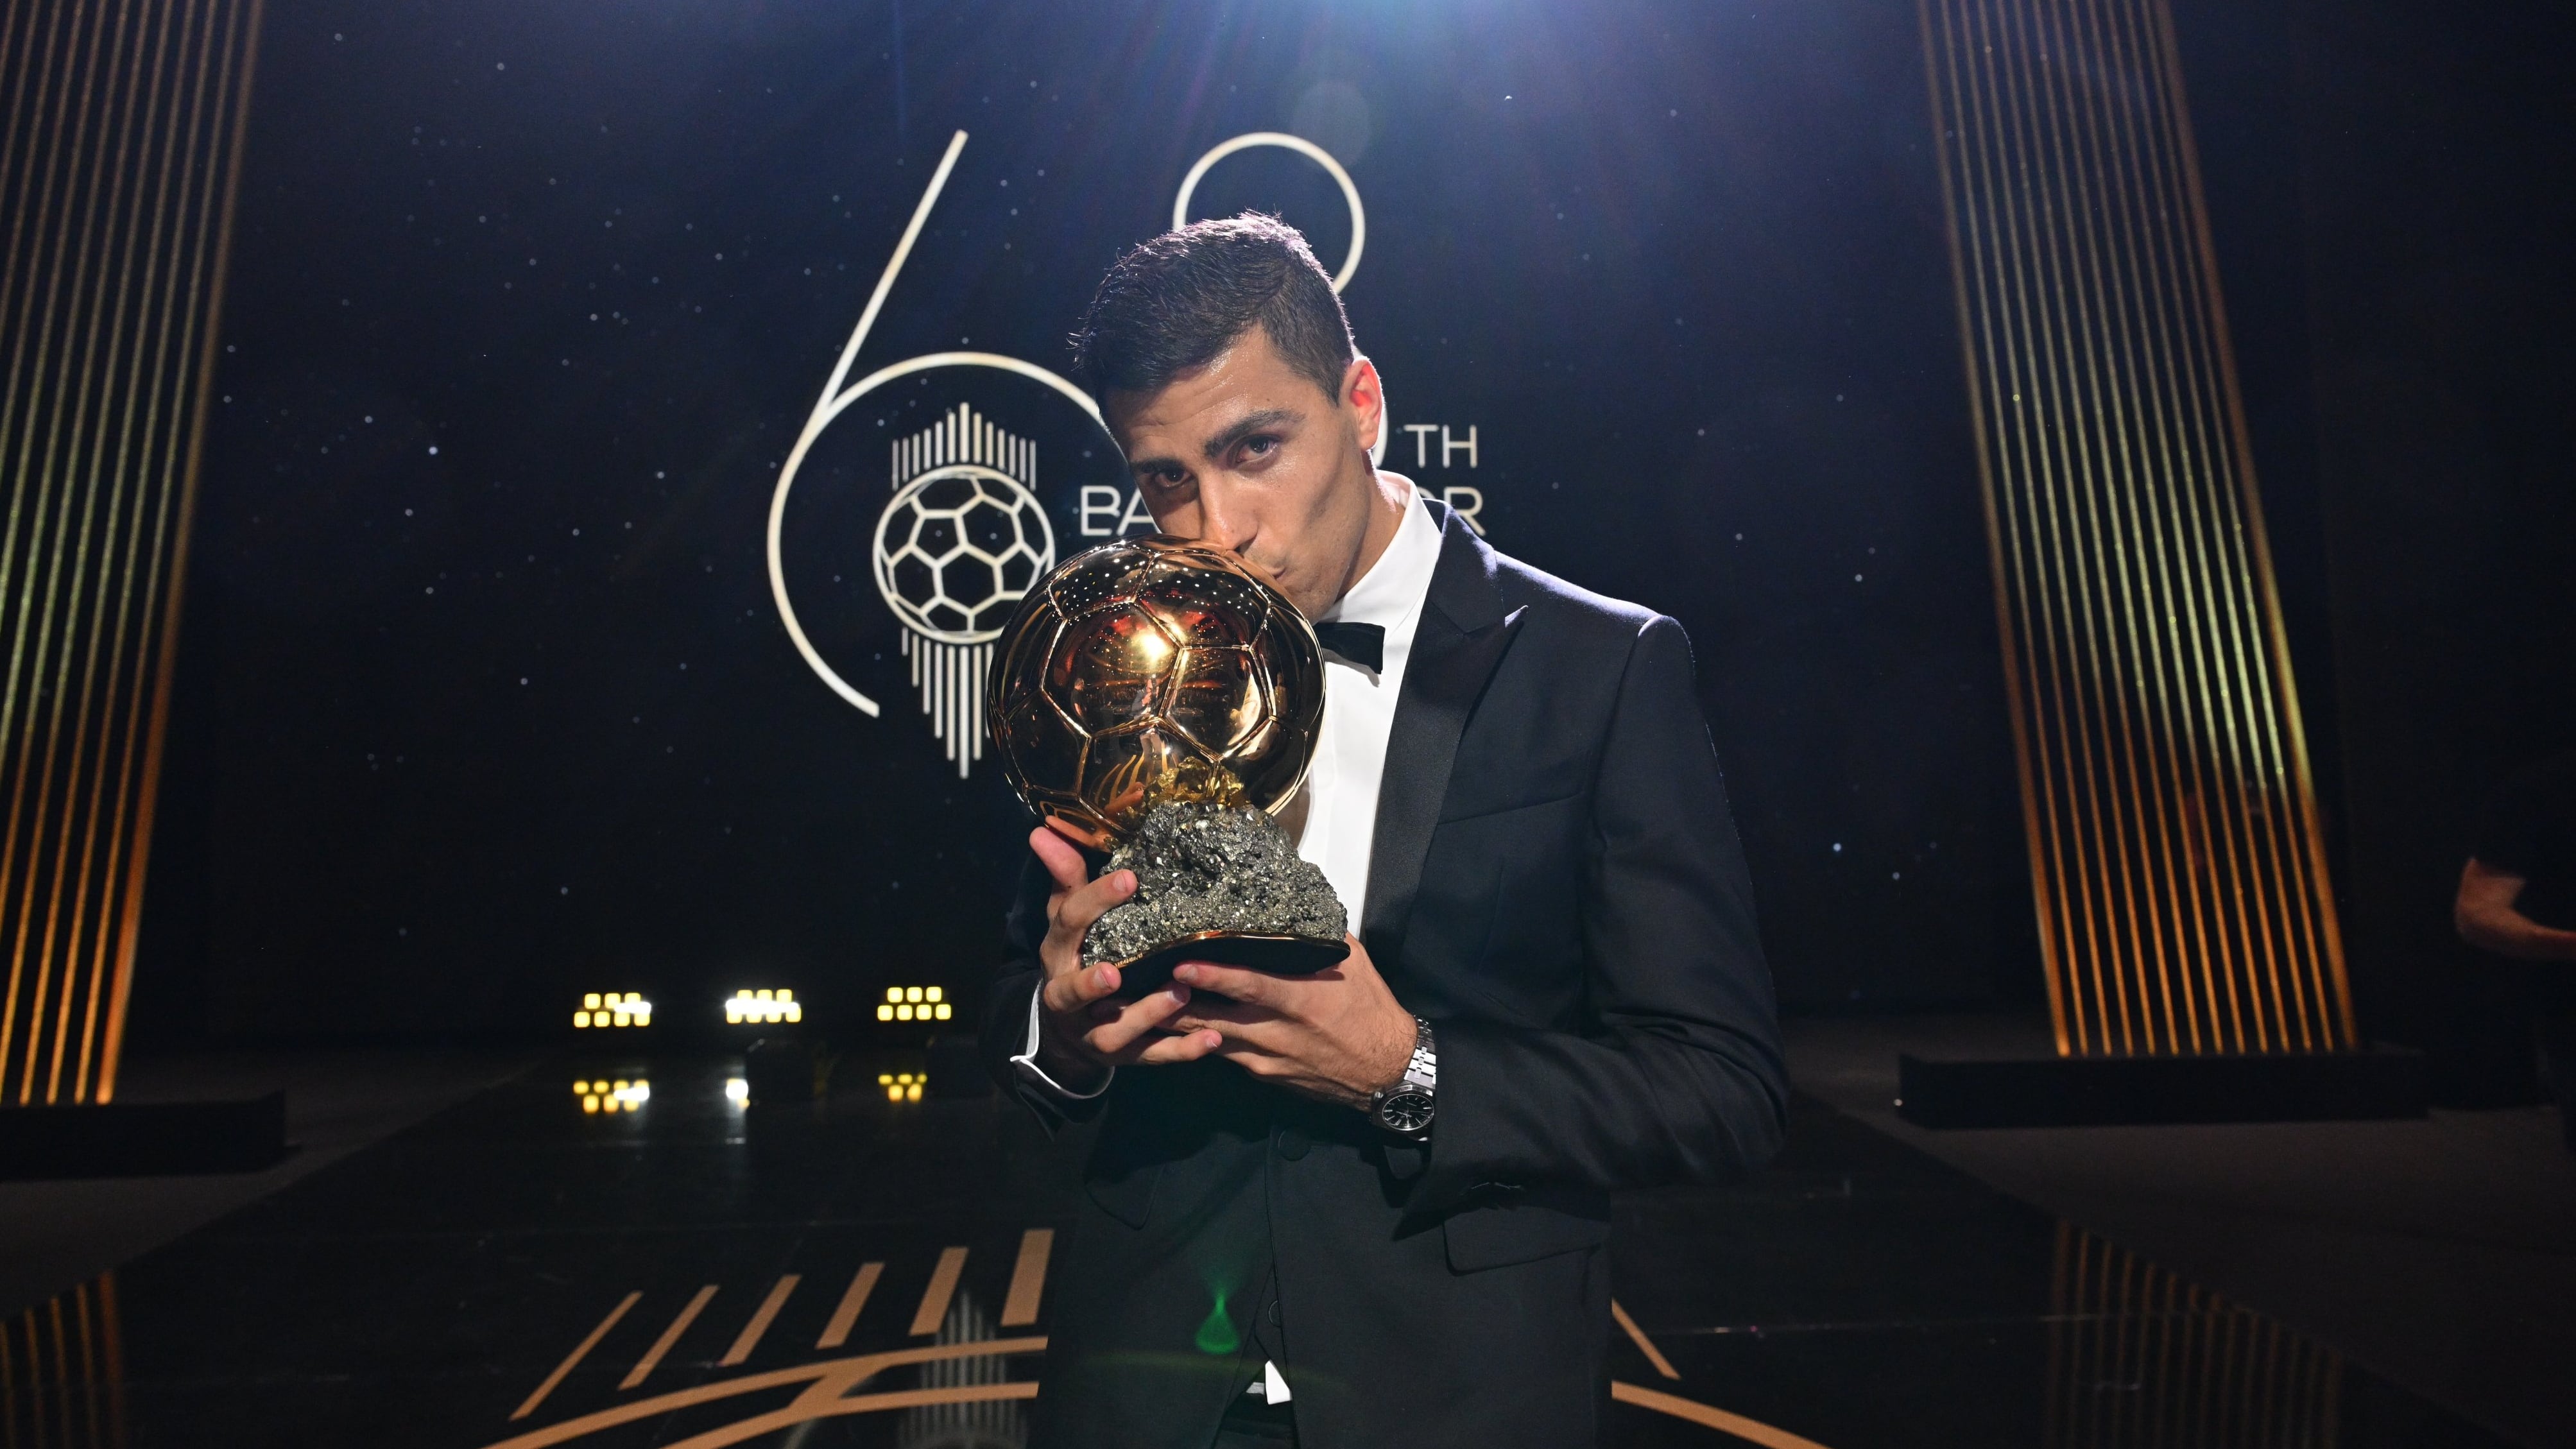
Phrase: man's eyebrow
pixel 1144 466
pixel 1222 443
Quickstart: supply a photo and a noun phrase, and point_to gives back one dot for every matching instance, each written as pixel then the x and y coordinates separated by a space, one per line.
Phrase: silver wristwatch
pixel 1405 1108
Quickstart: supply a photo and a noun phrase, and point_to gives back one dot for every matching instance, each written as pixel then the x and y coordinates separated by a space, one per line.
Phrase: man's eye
pixel 1260 447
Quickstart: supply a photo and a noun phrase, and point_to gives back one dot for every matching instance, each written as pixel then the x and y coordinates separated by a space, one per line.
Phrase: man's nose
pixel 1225 517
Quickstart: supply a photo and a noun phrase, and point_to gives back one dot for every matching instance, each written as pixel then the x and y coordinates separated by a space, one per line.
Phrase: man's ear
pixel 1364 395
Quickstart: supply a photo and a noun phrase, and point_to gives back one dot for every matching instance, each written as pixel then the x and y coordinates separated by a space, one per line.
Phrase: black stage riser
pixel 2380 1082
pixel 142 1139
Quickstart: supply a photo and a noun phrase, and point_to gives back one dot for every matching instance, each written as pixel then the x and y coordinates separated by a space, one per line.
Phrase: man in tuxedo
pixel 1369 1207
pixel 2517 905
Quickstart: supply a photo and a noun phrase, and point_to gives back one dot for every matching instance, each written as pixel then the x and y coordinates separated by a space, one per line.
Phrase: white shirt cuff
pixel 1026 1063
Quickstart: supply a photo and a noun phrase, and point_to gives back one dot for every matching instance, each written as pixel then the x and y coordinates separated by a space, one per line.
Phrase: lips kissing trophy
pixel 1160 700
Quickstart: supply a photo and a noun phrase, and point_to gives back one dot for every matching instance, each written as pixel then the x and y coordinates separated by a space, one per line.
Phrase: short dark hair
pixel 1180 300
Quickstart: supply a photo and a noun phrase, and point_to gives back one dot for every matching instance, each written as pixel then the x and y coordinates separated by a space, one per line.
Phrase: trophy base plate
pixel 1278 955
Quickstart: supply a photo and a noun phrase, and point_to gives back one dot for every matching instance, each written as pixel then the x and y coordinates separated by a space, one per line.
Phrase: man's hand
pixel 1082 1031
pixel 1339 1035
pixel 2486 916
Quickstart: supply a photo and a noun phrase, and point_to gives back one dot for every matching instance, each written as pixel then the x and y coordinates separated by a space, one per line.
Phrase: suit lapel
pixel 1456 647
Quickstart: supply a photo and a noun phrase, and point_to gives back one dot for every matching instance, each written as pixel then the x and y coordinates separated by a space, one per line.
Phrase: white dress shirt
pixel 1338 805
pixel 1334 815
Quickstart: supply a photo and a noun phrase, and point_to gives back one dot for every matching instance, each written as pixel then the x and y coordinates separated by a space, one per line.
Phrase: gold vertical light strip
pixel 121 131
pixel 2190 1367
pixel 2177 859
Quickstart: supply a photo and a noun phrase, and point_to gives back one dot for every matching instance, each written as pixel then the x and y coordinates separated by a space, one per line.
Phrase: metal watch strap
pixel 1423 1068
pixel 1421 1072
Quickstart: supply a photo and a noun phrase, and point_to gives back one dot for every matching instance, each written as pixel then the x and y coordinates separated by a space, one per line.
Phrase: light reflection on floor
pixel 665 1255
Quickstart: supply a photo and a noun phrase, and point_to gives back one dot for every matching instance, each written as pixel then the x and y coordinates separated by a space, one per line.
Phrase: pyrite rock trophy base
pixel 1215 883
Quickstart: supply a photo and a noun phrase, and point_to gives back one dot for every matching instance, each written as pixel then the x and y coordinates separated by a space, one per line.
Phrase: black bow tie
pixel 1360 644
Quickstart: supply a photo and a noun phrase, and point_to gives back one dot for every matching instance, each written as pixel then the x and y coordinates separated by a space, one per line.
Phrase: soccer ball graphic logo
pixel 957 549
pixel 1151 670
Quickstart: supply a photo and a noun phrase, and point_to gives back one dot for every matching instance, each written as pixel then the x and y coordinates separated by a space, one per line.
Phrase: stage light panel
pixel 914 1003
pixel 602 1094
pixel 903 1086
pixel 765 1005
pixel 613 1009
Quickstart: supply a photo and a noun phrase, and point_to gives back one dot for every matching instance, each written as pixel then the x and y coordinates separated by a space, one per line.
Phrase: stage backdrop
pixel 487 697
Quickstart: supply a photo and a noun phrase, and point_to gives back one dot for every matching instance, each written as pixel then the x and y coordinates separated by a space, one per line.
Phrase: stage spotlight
pixel 608 1008
pixel 763 1006
pixel 737 1091
pixel 602 1095
pixel 914 1003
pixel 903 1086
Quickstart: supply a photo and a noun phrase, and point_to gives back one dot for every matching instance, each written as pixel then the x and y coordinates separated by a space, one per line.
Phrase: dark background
pixel 1681 265
pixel 2439 222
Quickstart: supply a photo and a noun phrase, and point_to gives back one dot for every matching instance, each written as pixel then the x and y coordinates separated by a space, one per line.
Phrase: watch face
pixel 1405 1111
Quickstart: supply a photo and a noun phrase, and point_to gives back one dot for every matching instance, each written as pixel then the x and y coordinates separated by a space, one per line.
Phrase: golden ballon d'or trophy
pixel 1160 700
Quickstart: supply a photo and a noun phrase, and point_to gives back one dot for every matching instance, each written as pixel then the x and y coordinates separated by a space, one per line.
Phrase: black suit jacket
pixel 1557 885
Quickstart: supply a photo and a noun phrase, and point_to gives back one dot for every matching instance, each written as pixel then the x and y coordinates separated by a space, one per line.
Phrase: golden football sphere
pixel 1153 670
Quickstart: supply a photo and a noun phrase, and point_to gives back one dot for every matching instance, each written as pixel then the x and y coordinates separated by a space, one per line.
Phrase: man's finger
pixel 1268 1037
pixel 1213 1012
pixel 1254 988
pixel 1252 1058
pixel 1080 908
pixel 1137 1019
pixel 1073 990
pixel 1165 1051
pixel 1062 861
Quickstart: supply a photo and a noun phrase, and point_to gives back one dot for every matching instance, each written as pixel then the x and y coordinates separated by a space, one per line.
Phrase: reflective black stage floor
pixel 613 1253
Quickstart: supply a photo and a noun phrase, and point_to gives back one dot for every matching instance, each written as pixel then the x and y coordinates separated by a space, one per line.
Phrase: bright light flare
pixel 763 1006
pixel 914 1003
pixel 609 1008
